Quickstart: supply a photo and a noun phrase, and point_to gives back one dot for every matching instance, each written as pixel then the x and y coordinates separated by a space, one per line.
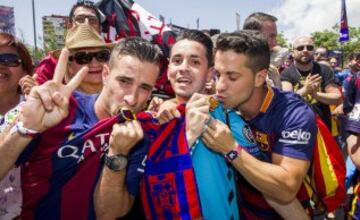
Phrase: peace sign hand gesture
pixel 48 104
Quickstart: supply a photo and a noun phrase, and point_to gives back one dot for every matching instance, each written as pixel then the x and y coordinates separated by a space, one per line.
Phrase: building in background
pixel 7 20
pixel 54 30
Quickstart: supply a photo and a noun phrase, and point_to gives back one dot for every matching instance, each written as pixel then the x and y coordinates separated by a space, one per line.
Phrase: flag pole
pixel 34 25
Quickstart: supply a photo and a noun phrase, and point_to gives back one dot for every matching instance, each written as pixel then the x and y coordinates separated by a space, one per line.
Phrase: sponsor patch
pixel 248 134
pixel 295 137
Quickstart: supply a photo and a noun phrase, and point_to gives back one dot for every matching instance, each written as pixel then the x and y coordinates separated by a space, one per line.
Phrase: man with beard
pixel 313 81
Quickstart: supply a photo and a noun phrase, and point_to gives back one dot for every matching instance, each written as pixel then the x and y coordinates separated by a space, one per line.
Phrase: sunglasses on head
pixel 10 60
pixel 308 48
pixel 86 57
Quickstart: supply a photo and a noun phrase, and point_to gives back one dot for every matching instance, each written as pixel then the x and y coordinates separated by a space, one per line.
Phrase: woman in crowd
pixel 15 63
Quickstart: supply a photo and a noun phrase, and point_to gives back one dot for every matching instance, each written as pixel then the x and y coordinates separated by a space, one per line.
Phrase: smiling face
pixel 10 76
pixel 93 80
pixel 188 69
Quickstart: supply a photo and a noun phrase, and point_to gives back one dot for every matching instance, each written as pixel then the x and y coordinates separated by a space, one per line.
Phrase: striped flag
pixel 127 18
pixel 344 28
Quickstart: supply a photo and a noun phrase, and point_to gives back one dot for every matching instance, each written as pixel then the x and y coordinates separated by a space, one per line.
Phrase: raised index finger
pixel 61 66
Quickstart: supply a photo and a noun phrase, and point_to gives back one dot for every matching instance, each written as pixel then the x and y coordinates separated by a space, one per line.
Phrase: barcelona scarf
pixel 169 189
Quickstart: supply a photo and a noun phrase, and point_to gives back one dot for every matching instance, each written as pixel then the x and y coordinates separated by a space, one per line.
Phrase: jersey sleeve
pixel 296 135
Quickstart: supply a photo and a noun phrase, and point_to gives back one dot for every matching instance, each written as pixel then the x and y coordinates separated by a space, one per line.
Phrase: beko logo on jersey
pixel 295 137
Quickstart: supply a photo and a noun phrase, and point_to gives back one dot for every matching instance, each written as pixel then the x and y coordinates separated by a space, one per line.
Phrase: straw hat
pixel 83 36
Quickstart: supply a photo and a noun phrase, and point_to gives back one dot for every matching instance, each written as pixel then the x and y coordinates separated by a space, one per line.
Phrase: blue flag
pixel 344 28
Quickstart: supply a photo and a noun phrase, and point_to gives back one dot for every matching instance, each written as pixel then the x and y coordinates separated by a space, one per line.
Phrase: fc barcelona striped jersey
pixel 60 168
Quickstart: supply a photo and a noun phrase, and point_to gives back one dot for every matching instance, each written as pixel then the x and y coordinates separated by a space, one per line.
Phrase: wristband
pixel 19 128
pixel 233 154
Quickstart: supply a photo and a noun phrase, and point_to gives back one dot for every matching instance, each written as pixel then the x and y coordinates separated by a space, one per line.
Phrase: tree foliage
pixel 329 39
pixel 282 41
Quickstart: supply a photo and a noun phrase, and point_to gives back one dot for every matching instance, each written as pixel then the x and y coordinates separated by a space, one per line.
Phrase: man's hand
pixel 218 137
pixel 197 114
pixel 124 137
pixel 48 104
pixel 312 84
pixel 167 111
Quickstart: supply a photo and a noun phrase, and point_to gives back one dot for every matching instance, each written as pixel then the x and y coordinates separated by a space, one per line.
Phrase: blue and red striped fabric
pixel 169 189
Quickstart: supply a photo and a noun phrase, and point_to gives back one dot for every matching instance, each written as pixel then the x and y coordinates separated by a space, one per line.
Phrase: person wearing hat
pixel 86 47
pixel 62 137
pixel 81 12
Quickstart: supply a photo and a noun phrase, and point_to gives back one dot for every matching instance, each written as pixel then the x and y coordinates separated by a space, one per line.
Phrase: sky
pixel 296 17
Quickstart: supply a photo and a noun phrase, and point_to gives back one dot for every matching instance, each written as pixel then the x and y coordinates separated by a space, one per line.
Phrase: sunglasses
pixel 86 57
pixel 10 60
pixel 308 48
pixel 81 19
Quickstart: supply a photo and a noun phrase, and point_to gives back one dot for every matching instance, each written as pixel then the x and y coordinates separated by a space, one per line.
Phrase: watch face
pixel 232 155
pixel 116 162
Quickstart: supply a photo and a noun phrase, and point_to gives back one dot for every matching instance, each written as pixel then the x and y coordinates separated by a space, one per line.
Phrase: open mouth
pixel 185 81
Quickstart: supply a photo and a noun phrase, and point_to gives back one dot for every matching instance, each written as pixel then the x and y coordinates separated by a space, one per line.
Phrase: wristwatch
pixel 116 162
pixel 25 132
pixel 233 154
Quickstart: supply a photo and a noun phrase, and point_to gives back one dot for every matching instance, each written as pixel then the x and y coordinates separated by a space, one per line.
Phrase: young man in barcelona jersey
pixel 283 125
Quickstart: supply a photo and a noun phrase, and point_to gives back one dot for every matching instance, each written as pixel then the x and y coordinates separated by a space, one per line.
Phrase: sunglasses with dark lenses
pixel 10 60
pixel 86 57
pixel 308 48
pixel 91 19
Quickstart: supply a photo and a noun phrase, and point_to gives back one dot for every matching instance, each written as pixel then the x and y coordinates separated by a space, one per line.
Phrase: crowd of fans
pixel 250 130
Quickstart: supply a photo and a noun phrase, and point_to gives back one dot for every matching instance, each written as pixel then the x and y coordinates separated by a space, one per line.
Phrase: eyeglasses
pixel 308 48
pixel 85 2
pixel 10 60
pixel 81 19
pixel 86 57
pixel 320 54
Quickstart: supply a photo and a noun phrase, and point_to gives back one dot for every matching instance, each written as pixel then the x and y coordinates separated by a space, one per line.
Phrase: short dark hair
pixel 200 37
pixel 250 43
pixel 255 21
pixel 137 47
pixel 85 4
pixel 26 60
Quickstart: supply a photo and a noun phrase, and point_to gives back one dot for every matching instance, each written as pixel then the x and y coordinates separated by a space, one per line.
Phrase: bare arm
pixel 331 96
pixel 291 211
pixel 112 199
pixel 353 144
pixel 11 146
